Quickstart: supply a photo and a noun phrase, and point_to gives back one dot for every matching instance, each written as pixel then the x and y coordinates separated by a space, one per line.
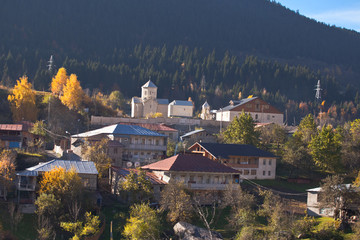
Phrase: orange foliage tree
pixel 61 183
pixel 59 81
pixel 73 94
pixel 7 170
pixel 23 101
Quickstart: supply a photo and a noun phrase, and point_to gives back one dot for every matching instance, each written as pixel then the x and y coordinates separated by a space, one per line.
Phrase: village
pixel 240 160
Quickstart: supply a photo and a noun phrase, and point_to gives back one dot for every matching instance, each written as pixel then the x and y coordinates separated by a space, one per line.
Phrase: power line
pixel 273 190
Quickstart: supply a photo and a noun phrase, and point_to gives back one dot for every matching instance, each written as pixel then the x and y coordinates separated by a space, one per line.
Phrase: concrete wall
pixel 104 121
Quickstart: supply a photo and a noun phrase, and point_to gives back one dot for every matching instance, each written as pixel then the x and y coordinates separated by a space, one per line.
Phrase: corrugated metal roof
pixel 120 129
pixel 190 163
pixel 181 103
pixel 226 150
pixel 81 167
pixel 191 133
pixel 150 176
pixel 162 101
pixel 149 84
pixel 238 103
pixel 154 126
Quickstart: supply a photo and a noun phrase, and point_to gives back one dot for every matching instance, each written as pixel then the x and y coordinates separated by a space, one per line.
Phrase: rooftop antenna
pixel 51 63
pixel 318 91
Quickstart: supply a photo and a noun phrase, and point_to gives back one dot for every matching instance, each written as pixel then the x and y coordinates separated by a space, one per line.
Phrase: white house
pixel 129 143
pixel 149 104
pixel 196 171
pixel 179 108
pixel 260 111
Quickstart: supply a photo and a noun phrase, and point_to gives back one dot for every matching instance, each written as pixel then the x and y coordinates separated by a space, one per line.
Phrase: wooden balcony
pixel 26 187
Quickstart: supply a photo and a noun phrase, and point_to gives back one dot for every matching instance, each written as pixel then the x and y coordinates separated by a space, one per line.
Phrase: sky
pixel 341 13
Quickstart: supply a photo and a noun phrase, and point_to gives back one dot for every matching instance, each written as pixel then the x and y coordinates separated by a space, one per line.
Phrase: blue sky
pixel 341 13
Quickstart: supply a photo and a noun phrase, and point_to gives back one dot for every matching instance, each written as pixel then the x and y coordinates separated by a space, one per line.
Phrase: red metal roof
pixel 190 163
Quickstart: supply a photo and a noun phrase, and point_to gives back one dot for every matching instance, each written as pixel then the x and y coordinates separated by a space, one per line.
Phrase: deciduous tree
pixel 97 152
pixel 23 101
pixel 143 224
pixel 241 131
pixel 326 149
pixel 7 170
pixel 59 81
pixel 88 227
pixel 73 94
pixel 137 185
pixel 176 200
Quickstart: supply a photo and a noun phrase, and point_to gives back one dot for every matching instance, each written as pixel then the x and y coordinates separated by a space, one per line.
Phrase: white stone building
pixel 260 111
pixel 179 108
pixel 149 104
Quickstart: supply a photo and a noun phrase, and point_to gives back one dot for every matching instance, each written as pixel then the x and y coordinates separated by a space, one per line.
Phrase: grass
pixel 283 185
pixel 26 230
pixel 118 214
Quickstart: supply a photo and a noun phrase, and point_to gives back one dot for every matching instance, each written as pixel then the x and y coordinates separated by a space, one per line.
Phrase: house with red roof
pixel 196 171
pixel 16 135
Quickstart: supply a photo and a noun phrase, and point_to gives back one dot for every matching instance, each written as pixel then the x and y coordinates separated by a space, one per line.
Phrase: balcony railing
pixel 26 186
pixel 146 147
pixel 210 186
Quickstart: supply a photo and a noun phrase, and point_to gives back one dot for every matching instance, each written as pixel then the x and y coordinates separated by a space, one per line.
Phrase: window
pixel 264 173
pixel 241 172
pixel 246 172
pixel 256 116
pixel 253 172
pixel 264 161
pixel 257 106
pixel 115 150
pixel 143 141
pixel 268 117
pixel 269 173
pixel 157 142
pixel 270 161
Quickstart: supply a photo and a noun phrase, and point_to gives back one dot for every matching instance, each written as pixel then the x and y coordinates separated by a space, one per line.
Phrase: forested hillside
pixel 247 46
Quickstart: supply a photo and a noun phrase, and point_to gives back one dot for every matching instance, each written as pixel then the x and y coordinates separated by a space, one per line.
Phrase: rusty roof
pixel 21 126
pixel 190 163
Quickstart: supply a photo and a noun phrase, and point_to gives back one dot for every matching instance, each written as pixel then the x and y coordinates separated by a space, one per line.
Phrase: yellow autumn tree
pixel 23 101
pixel 59 81
pixel 73 94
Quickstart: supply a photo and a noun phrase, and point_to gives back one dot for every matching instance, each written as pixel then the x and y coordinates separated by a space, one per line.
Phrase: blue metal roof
pixel 120 129
pixel 149 84
pixel 81 167
pixel 162 101
pixel 181 103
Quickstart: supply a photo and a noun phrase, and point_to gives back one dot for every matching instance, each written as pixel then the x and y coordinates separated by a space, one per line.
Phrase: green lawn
pixel 283 185
pixel 26 229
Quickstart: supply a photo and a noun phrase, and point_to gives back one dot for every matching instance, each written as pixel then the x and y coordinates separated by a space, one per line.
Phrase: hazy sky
pixel 341 13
